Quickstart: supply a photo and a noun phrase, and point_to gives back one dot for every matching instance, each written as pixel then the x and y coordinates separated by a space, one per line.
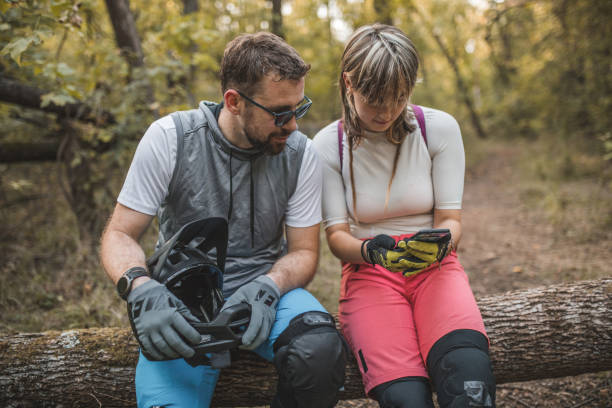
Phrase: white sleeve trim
pixel 146 184
pixel 304 207
pixel 448 159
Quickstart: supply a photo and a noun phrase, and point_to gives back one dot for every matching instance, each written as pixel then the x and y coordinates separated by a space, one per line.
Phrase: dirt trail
pixel 501 241
pixel 508 245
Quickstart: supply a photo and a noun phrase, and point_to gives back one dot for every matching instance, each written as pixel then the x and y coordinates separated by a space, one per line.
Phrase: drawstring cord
pixel 231 192
pixel 252 206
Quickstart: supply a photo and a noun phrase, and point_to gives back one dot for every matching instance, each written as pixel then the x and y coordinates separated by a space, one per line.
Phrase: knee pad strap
pixel 405 392
pixel 303 323
pixel 310 357
pixel 460 369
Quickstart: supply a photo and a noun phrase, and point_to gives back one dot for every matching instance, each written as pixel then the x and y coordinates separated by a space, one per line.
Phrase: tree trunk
pixel 277 18
pixel 190 6
pixel 384 11
pixel 128 40
pixel 126 34
pixel 79 183
pixel 555 331
pixel 461 86
pixel 459 79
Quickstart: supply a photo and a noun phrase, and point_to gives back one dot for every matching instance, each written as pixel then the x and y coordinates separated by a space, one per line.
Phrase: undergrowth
pixel 48 280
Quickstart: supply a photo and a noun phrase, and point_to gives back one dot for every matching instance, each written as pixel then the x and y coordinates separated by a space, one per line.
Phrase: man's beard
pixel 268 146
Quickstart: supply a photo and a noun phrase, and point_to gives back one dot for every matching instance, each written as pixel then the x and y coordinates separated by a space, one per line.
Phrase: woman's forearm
pixel 344 245
pixel 450 219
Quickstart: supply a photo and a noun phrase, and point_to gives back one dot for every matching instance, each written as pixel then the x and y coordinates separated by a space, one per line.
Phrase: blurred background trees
pixel 81 80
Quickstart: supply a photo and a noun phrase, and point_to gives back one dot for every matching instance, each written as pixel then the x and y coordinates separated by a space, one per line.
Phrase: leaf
pixel 104 135
pixel 64 69
pixel 75 161
pixel 56 99
pixel 4 6
pixel 16 48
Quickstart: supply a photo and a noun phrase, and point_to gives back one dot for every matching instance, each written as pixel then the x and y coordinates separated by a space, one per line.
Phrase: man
pixel 245 161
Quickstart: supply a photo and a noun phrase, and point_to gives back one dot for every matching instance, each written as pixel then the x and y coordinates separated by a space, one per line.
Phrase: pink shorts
pixel 391 322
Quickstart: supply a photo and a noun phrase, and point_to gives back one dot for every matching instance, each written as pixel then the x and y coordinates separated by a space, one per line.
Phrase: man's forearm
pixel 294 270
pixel 118 253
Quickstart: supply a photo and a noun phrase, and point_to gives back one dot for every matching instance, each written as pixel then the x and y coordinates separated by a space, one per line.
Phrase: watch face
pixel 122 285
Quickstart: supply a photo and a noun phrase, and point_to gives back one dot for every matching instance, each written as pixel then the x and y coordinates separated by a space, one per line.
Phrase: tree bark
pixel 384 11
pixel 190 6
pixel 549 332
pixel 28 96
pixel 126 34
pixel 277 18
pixel 45 150
pixel 128 40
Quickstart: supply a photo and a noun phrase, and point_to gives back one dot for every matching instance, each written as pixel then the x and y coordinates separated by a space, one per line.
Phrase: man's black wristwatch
pixel 124 284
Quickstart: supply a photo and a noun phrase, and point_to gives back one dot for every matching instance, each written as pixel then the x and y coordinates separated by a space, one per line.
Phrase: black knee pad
pixel 405 392
pixel 460 369
pixel 310 357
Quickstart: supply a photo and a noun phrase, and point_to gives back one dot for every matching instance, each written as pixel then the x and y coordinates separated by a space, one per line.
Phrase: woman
pixel 415 320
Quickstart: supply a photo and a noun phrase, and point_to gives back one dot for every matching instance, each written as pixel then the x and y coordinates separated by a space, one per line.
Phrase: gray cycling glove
pixel 160 322
pixel 262 296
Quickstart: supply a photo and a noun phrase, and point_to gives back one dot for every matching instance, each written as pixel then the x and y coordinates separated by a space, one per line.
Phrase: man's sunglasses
pixel 282 118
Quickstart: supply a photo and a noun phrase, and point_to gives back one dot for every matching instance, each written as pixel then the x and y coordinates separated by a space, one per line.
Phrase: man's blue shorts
pixel 175 383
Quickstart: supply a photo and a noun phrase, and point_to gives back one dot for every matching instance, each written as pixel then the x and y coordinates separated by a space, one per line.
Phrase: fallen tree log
pixel 549 332
pixel 28 96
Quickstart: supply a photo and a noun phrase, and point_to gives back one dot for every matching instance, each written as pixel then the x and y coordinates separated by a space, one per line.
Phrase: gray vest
pixel 213 178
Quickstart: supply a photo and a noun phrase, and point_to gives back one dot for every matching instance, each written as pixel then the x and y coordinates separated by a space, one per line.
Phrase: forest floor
pixel 519 233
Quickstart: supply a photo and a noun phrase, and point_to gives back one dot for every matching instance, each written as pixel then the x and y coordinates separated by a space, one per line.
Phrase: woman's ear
pixel 347 81
pixel 231 100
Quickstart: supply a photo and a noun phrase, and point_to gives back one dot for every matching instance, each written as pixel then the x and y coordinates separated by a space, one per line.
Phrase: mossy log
pixel 555 331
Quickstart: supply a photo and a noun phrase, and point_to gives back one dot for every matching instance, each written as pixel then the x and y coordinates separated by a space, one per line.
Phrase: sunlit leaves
pixel 56 99
pixel 17 47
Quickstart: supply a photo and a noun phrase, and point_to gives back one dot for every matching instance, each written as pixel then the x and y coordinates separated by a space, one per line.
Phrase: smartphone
pixel 432 235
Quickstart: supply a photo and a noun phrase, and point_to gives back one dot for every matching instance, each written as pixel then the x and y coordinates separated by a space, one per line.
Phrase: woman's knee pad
pixel 460 369
pixel 310 357
pixel 406 392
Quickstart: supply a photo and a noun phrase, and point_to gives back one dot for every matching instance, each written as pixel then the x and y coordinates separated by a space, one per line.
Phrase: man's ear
pixel 232 101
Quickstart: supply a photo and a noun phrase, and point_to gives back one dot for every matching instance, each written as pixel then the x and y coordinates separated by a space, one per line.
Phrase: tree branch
pixel 459 79
pixel 29 152
pixel 28 96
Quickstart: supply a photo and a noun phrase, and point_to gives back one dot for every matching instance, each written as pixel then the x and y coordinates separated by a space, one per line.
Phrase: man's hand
pixel 160 322
pixel 262 296
pixel 382 251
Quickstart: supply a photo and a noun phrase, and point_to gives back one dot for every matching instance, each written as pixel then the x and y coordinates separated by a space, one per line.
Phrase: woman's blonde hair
pixel 381 64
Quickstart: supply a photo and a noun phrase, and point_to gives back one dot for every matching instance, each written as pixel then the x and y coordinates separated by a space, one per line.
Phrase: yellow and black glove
pixel 423 249
pixel 381 250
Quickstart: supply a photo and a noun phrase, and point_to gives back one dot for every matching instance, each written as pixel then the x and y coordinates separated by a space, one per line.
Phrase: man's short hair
pixel 249 57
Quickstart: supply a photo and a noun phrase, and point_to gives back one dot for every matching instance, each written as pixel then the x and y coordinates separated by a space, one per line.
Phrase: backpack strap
pixel 340 142
pixel 418 113
pixel 420 117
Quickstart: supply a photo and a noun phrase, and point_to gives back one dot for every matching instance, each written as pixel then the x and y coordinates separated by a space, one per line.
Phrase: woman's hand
pixel 381 250
pixel 425 248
